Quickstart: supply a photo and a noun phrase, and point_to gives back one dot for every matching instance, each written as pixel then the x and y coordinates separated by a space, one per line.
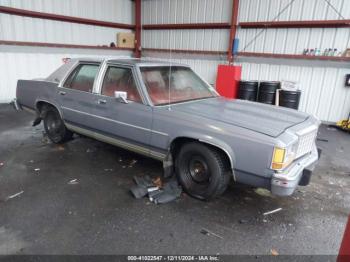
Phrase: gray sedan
pixel 167 112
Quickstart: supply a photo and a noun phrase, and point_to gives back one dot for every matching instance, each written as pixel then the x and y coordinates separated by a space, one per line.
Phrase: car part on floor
pixel 169 191
pixel 344 124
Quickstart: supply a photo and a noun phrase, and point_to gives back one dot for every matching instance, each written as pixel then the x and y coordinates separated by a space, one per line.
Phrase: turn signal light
pixel 278 155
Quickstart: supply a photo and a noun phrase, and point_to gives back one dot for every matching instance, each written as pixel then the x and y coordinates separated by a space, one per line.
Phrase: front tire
pixel 202 171
pixel 54 126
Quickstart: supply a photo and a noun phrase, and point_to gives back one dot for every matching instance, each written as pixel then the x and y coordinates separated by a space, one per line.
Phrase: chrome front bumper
pixel 285 182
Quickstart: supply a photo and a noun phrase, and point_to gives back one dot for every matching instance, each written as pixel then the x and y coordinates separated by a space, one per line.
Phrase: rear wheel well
pixel 42 105
pixel 180 141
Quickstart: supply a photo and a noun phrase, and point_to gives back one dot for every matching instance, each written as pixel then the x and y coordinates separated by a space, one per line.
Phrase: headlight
pixel 282 157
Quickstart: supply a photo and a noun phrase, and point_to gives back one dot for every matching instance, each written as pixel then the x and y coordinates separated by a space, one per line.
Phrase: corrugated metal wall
pixel 292 41
pixel 322 83
pixel 186 11
pixel 32 62
pixel 19 28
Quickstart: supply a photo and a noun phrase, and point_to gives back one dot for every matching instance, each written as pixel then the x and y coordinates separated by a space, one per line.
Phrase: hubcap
pixel 53 125
pixel 198 169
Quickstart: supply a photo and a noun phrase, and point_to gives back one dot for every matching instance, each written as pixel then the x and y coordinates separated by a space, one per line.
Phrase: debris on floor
pixel 15 195
pixel 132 163
pixel 274 252
pixel 243 221
pixel 263 192
pixel 205 231
pixel 158 192
pixel 2 164
pixel 37 169
pixel 45 139
pixel 272 211
pixel 60 148
pixel 73 182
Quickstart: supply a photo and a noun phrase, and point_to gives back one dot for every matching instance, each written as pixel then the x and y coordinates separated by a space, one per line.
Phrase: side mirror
pixel 121 96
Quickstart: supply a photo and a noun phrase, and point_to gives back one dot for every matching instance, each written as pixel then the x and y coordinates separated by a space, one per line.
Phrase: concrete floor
pixel 99 216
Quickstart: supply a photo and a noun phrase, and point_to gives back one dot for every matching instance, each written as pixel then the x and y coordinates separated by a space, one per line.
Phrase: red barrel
pixel 227 80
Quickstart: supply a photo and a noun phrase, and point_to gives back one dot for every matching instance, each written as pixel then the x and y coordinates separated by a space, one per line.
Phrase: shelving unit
pixel 290 56
pixel 296 24
pixel 57 45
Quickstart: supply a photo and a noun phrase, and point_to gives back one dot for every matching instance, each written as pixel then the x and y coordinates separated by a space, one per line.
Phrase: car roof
pixel 132 61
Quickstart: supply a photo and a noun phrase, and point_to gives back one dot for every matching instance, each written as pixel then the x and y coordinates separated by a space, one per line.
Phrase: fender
pixel 211 141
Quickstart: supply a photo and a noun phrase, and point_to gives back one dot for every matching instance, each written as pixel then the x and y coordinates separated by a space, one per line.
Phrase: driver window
pixel 120 79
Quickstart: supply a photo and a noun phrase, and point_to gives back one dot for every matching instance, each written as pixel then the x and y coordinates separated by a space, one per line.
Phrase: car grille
pixel 306 143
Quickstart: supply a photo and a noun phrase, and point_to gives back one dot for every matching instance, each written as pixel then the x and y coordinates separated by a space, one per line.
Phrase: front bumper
pixel 285 182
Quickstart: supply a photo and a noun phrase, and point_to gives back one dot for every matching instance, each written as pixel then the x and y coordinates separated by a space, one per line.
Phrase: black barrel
pixel 248 90
pixel 267 92
pixel 290 99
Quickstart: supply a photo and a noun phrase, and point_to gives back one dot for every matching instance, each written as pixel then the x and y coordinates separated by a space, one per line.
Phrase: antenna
pixel 169 82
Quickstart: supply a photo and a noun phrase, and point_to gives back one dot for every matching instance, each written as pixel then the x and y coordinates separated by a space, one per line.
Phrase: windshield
pixel 185 85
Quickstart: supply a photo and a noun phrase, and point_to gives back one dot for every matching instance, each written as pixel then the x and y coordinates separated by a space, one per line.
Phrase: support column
pixel 137 52
pixel 233 29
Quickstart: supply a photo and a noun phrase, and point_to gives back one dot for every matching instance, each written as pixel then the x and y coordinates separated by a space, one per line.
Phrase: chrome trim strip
pixel 117 142
pixel 115 121
pixel 28 109
pixel 307 130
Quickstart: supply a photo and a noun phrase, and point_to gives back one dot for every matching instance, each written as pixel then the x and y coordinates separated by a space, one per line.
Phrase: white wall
pixel 322 82
pixel 29 63
pixel 33 62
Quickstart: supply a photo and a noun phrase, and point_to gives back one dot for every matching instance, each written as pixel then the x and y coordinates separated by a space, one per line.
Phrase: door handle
pixel 101 101
pixel 62 93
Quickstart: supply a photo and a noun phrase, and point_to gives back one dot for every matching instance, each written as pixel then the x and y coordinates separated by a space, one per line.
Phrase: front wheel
pixel 202 171
pixel 55 128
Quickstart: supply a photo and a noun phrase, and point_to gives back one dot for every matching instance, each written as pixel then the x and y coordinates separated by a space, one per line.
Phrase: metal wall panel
pixel 322 83
pixel 29 63
pixel 323 90
pixel 292 41
pixel 119 11
pixel 17 28
pixel 186 11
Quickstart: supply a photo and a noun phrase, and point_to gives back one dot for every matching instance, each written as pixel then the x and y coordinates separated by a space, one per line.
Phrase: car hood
pixel 262 118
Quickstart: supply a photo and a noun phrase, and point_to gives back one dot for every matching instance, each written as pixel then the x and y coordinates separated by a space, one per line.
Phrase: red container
pixel 227 80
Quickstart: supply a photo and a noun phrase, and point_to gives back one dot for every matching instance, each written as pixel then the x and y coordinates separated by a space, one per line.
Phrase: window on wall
pixel 82 78
pixel 120 79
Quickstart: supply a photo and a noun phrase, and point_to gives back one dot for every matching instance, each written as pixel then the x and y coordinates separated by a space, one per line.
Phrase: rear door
pixel 76 96
pixel 129 122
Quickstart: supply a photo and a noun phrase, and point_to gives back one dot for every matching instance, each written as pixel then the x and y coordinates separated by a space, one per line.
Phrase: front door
pixel 129 123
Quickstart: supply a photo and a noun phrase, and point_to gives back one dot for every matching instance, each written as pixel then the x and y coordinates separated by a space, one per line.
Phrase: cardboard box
pixel 347 53
pixel 126 40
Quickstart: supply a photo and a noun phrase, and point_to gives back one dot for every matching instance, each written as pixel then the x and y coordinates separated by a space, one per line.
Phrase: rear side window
pixel 82 78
